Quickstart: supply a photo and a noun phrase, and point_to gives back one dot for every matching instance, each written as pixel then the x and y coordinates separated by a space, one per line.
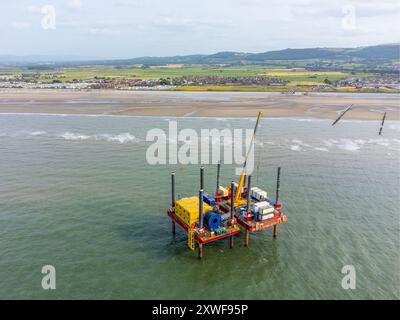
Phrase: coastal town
pixel 48 80
pixel 391 80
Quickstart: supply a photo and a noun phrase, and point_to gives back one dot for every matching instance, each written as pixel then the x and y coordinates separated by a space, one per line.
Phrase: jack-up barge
pixel 207 218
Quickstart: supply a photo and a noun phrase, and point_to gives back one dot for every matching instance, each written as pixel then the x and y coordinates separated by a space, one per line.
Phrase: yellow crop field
pixel 295 73
pixel 305 83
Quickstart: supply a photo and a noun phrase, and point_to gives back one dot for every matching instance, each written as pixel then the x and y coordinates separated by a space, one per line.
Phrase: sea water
pixel 77 193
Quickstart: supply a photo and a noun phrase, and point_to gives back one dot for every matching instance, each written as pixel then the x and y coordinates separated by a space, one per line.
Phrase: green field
pixel 89 72
pixel 84 73
pixel 298 79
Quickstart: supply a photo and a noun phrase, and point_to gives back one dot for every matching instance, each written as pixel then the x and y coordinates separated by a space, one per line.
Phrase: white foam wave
pixel 357 144
pixel 301 143
pixel 381 142
pixel 321 149
pixel 295 148
pixel 37 133
pixel 74 136
pixel 24 133
pixel 348 145
pixel 120 138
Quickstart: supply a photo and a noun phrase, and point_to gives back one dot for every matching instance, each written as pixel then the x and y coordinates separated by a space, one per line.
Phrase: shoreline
pixel 320 105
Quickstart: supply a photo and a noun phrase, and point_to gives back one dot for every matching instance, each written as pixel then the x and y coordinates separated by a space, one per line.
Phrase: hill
pixel 380 52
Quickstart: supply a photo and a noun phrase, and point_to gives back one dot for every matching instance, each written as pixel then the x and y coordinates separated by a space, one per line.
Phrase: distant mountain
pixel 380 52
pixel 363 54
pixel 297 54
pixel 376 52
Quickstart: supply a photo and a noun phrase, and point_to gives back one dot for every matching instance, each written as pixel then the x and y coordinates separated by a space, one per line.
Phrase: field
pixel 89 72
pixel 153 73
pixel 302 77
pixel 298 79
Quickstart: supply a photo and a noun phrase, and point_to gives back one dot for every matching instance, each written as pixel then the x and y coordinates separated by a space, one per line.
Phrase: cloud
pixel 21 25
pixel 104 32
pixel 188 24
pixel 127 3
pixel 74 4
pixel 335 8
pixel 159 27
pixel 34 9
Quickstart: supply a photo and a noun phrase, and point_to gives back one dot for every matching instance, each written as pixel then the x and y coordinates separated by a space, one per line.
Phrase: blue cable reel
pixel 212 220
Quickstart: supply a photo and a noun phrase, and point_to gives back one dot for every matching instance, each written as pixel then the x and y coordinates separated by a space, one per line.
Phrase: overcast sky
pixel 132 28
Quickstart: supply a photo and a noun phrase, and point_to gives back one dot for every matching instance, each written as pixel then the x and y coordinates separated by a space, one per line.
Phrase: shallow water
pixel 76 192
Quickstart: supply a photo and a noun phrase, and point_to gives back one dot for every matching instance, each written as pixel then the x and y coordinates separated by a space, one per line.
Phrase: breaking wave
pixel 295 148
pixel 295 144
pixel 351 145
pixel 120 138
pixel 321 149
pixel 37 133
pixel 301 143
pixel 73 136
pixel 357 144
pixel 348 145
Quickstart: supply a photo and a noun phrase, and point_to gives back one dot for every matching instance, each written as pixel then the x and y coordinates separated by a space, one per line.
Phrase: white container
pixel 268 210
pixel 263 217
pixel 253 189
pixel 262 194
pixel 258 194
pixel 223 191
pixel 260 206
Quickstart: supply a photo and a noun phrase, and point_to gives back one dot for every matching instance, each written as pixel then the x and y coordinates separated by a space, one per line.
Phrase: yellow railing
pixel 191 243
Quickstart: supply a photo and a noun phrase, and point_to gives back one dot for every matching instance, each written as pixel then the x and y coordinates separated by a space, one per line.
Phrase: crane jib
pixel 241 180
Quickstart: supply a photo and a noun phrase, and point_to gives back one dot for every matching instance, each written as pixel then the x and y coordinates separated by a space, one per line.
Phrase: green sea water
pixel 77 193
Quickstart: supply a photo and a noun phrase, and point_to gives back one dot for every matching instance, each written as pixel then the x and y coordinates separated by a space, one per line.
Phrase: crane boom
pixel 241 180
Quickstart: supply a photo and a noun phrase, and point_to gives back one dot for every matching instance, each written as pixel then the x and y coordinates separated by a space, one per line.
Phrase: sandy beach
pixel 200 104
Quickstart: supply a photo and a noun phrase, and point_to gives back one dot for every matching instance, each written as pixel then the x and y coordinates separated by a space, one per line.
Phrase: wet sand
pixel 200 104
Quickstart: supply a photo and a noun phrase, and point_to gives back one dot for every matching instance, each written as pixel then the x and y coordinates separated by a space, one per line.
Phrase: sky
pixel 134 28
